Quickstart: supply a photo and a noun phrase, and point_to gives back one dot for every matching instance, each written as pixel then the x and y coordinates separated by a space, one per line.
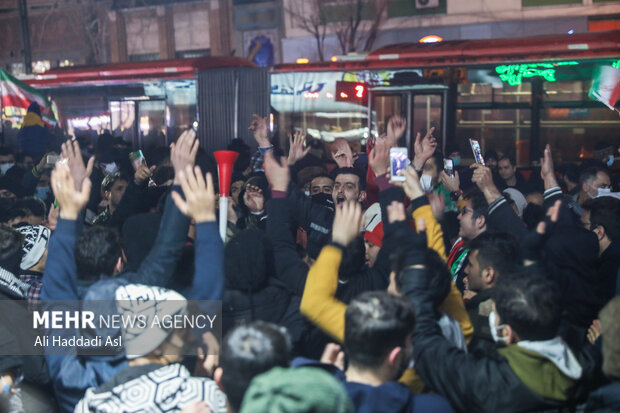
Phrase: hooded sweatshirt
pixel 393 397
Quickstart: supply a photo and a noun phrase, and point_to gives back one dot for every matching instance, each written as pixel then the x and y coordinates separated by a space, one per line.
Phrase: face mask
pixel 602 191
pixel 494 328
pixel 610 161
pixel 4 167
pixel 456 161
pixel 110 168
pixel 323 199
pixel 425 181
pixel 42 192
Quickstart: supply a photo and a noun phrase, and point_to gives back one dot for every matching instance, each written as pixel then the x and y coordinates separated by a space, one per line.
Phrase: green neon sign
pixel 616 64
pixel 514 74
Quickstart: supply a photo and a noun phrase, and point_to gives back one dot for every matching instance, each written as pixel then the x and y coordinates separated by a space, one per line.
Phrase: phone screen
pixel 448 166
pixel 137 158
pixel 475 147
pixel 399 160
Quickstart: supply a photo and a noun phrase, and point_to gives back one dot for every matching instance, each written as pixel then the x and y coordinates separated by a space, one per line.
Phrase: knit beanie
pixel 36 238
pixel 133 300
pixel 297 390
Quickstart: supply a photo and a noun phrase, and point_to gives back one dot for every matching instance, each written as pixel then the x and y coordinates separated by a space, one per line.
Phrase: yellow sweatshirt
pixel 320 306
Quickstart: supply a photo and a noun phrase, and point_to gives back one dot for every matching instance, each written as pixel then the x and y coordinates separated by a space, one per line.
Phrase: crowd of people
pixel 342 288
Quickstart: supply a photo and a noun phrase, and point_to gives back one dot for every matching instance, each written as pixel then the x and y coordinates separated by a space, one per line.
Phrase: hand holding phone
pixel 448 166
pixel 137 159
pixel 399 160
pixel 475 148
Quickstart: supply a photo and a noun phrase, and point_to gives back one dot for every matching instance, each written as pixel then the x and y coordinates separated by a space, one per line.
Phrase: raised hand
pixel 483 178
pixel 333 354
pixel 71 152
pixel 451 184
pixel 183 153
pixel 438 204
pixel 423 148
pixel 347 222
pixel 70 199
pixel 277 174
pixel 143 174
pixel 413 188
pixel 296 149
pixel 199 202
pixel 532 243
pixel 341 153
pixel 547 172
pixel 259 128
pixel 395 130
pixel 379 158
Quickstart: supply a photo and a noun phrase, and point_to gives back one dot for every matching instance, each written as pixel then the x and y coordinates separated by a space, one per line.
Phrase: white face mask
pixel 425 181
pixel 494 328
pixel 602 191
pixel 4 167
pixel 110 168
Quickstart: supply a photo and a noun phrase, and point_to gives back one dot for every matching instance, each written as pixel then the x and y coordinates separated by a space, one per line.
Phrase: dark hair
pixel 322 175
pixel 509 159
pixel 439 274
pixel 163 174
pixel 97 252
pixel 590 173
pixel 570 171
pixel 110 179
pixel 375 323
pixel 605 211
pixel 532 215
pixel 34 206
pixel 5 151
pixel 529 303
pixel 490 154
pixel 497 250
pixel 478 202
pixel 350 171
pixel 249 350
pixel 10 248
pixel 437 157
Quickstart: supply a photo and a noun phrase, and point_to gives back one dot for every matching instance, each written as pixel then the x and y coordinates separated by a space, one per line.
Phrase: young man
pixel 592 181
pixel 112 189
pixel 377 341
pixel 510 177
pixel 490 257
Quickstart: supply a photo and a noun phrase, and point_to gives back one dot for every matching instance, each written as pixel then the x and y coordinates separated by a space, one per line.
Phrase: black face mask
pixel 323 199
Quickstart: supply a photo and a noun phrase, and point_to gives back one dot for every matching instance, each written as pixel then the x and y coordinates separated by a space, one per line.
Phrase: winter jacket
pixel 521 377
pixel 152 388
pixel 479 308
pixel 393 397
pixel 605 399
pixel 34 138
pixel 73 374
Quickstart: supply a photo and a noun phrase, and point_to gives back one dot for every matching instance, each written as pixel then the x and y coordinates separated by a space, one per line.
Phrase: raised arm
pixel 158 266
pixel 131 202
pixel 318 302
pixel 199 204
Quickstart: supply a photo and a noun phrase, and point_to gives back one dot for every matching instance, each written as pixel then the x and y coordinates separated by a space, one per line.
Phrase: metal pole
pixel 23 19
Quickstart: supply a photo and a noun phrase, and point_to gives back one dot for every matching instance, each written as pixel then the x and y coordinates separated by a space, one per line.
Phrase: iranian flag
pixel 606 86
pixel 18 95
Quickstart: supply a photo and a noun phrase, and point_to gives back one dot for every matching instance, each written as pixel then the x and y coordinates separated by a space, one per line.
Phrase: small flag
pixel 18 95
pixel 606 86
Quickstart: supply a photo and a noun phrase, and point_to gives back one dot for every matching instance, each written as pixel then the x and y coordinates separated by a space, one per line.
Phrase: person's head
pixel 35 210
pixel 602 216
pixel 254 193
pixel 516 199
pixel 472 215
pixel 113 188
pixel 506 168
pixel 34 247
pixel 377 334
pixel 247 351
pixel 527 306
pixel 296 390
pixel 604 152
pixel 433 166
pixel 610 327
pixel 157 342
pixel 490 159
pixel 322 184
pixel 8 188
pixel 10 248
pixel 236 185
pixel 349 185
pixel 569 174
pixel 98 252
pixel 591 180
pixel 7 160
pixel 490 256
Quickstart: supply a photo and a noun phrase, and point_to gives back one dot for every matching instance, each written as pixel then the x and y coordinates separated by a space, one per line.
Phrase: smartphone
pixel 51 159
pixel 137 159
pixel 448 166
pixel 475 147
pixel 399 160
